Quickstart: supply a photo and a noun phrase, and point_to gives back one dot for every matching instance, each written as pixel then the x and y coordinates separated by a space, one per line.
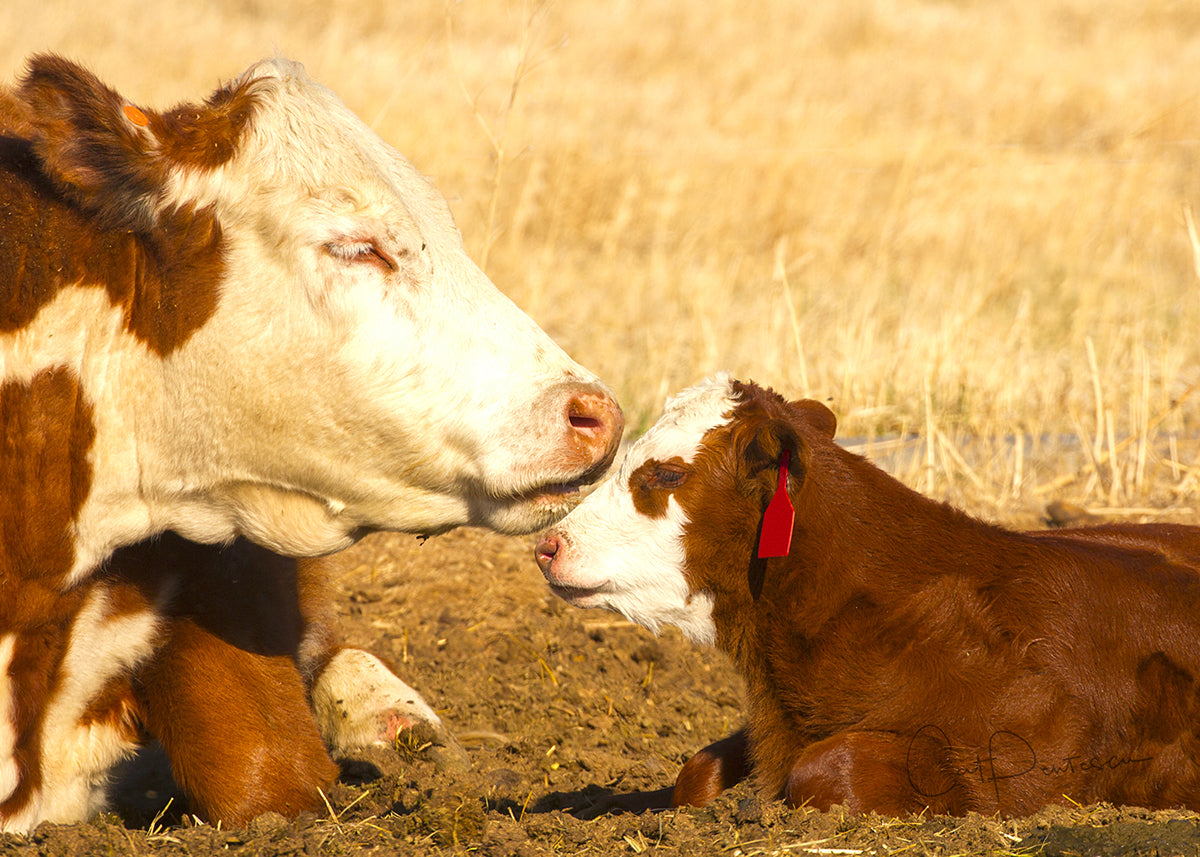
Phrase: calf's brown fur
pixel 905 656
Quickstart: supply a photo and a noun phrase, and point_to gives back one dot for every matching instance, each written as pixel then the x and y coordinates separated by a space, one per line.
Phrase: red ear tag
pixel 776 536
pixel 136 116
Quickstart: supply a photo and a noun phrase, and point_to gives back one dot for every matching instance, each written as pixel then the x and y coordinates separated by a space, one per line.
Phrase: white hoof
pixel 358 702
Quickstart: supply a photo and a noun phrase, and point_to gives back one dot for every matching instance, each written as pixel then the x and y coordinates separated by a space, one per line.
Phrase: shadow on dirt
pixel 592 802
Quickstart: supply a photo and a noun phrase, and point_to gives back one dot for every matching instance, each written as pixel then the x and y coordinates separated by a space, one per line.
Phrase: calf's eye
pixel 667 477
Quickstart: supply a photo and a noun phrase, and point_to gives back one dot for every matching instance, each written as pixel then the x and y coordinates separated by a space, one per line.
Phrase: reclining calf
pixel 899 655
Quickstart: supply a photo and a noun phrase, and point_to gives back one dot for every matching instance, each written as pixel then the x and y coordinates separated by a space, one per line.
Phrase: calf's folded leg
pixel 719 766
pixel 864 772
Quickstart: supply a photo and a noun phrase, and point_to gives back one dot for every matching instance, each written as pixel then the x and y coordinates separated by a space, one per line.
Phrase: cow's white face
pixel 623 547
pixel 359 371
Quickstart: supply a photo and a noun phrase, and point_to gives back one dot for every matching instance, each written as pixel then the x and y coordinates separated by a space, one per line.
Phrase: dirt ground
pixel 567 716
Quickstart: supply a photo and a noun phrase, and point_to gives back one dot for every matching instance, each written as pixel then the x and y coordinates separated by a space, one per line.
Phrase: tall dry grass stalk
pixel 967 221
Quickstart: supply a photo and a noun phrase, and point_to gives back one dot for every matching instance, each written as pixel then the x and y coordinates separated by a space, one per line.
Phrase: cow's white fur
pixel 326 397
pixel 9 773
pixel 81 330
pixel 610 555
pixel 359 702
pixel 76 757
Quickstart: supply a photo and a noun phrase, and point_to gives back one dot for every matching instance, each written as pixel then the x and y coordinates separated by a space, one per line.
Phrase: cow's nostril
pixel 592 422
pixel 595 414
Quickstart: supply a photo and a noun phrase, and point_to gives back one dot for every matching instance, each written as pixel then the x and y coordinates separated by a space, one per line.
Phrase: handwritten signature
pixel 934 764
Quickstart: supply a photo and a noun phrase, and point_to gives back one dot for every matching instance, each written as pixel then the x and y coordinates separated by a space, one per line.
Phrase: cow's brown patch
pixel 167 281
pixel 34 673
pixel 46 432
pixel 15 120
pixel 177 293
pixel 80 195
pixel 115 707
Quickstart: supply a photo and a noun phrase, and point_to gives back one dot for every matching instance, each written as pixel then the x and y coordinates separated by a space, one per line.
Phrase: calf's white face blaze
pixel 609 553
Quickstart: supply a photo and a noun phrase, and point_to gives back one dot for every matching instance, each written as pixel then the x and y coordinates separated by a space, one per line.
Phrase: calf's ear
pixel 815 414
pixel 762 451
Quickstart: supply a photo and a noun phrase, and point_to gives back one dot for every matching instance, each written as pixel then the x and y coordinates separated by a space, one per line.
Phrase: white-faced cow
pixel 245 317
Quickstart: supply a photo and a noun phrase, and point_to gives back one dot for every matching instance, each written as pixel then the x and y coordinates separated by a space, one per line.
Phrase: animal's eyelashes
pixel 364 250
pixel 660 475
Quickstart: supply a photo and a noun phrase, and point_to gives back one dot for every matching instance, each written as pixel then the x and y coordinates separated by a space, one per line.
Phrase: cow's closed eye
pixel 366 251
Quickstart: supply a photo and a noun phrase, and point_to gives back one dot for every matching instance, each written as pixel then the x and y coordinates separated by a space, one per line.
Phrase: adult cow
pixel 247 317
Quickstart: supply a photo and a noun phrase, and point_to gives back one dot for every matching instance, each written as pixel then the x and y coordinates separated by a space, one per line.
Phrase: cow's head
pixel 316 355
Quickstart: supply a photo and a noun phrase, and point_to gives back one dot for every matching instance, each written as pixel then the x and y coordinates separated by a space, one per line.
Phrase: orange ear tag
pixel 136 116
pixel 776 536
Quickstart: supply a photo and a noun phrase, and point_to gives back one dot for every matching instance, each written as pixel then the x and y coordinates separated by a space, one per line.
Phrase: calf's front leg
pixel 719 766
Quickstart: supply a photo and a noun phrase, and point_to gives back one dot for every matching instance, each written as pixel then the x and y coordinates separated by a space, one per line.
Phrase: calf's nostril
pixel 545 552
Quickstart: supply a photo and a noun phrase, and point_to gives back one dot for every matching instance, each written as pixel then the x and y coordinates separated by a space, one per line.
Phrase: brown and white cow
pixel 898 655
pixel 244 317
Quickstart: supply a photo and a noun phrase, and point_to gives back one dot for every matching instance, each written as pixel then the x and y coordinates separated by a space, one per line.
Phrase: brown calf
pixel 902 655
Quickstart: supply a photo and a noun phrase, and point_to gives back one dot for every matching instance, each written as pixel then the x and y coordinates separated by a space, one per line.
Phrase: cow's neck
pixel 71 400
pixel 861 533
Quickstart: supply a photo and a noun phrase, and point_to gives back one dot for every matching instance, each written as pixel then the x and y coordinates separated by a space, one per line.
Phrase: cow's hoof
pixel 359 703
pixel 436 743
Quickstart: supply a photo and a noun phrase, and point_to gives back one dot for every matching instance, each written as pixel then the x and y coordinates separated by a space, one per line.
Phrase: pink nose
pixel 595 422
pixel 546 550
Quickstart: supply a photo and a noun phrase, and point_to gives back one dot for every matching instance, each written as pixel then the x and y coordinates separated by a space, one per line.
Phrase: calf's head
pixel 670 537
pixel 312 354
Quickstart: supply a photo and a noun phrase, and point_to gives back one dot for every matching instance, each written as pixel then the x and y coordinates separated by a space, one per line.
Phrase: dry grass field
pixel 965 220
pixel 960 223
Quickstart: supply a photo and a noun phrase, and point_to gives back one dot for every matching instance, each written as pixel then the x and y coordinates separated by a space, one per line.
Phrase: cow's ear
pixel 97 148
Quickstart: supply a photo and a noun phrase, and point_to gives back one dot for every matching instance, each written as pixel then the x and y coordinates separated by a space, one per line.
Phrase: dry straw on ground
pixel 970 221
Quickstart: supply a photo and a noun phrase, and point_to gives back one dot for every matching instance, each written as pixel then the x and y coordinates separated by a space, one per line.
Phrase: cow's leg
pixel 359 701
pixel 271 606
pixel 251 678
pixel 236 726
pixel 719 766
pixel 222 693
pixel 68 713
pixel 862 771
